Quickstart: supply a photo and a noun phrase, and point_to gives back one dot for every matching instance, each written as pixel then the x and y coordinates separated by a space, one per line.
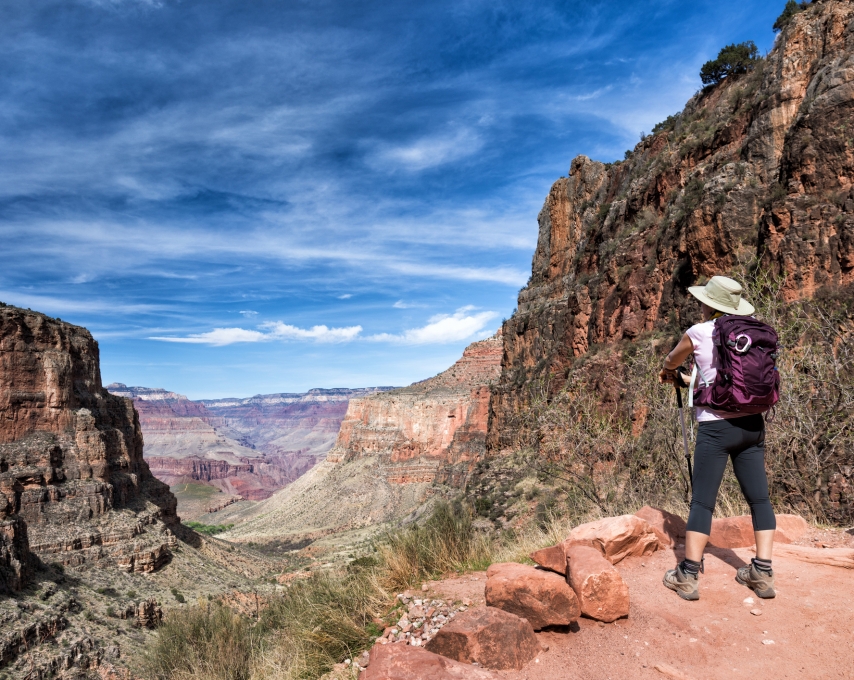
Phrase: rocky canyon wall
pixel 428 431
pixel 759 167
pixel 393 452
pixel 74 487
pixel 245 448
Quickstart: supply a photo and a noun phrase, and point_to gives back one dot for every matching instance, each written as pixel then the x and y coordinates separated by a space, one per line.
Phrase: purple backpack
pixel 747 380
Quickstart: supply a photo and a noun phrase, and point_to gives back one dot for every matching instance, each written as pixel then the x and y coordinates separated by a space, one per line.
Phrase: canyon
pixel 395 452
pixel 243 449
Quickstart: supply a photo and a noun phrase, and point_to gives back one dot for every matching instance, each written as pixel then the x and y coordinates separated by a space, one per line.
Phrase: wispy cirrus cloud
pixel 441 328
pixel 277 330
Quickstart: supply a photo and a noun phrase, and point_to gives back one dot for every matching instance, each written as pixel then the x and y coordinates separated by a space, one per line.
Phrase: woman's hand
pixel 679 376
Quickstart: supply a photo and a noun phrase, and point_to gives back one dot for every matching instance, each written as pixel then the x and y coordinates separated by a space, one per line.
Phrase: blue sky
pixel 250 197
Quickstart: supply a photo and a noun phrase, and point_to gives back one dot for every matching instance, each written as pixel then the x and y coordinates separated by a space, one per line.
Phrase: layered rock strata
pixel 394 451
pixel 426 432
pixel 757 166
pixel 245 447
pixel 71 464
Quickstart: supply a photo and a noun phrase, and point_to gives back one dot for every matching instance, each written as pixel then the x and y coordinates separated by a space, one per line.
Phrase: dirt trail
pixel 811 624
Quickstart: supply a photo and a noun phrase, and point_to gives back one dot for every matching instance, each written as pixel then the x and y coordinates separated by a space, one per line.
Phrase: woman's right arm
pixel 675 359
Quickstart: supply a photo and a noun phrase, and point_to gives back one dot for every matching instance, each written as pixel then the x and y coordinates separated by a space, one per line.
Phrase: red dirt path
pixel 811 623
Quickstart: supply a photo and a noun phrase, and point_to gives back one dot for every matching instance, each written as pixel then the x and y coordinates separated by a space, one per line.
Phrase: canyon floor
pixel 805 632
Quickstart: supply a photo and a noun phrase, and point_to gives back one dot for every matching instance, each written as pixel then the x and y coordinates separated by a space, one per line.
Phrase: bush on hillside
pixel 616 457
pixel 732 60
pixel 318 621
pixel 790 10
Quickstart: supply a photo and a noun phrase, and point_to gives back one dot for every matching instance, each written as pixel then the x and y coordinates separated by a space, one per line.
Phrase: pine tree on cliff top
pixel 732 60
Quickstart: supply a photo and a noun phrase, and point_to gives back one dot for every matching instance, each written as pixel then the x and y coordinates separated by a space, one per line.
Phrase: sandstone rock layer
pixel 71 464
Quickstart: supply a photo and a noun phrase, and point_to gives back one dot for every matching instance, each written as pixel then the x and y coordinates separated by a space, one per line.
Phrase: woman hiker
pixel 721 435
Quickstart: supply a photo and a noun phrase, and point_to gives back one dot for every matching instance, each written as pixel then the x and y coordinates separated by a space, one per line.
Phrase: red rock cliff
pixel 422 433
pixel 759 166
pixel 71 465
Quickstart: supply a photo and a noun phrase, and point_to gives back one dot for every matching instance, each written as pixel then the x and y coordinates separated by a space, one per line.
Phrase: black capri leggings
pixel 743 440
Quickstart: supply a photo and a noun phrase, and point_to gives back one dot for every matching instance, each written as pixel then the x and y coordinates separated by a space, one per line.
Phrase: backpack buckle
pixel 739 338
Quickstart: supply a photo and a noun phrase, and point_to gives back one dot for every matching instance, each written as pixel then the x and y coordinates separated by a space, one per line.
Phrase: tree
pixel 732 60
pixel 790 10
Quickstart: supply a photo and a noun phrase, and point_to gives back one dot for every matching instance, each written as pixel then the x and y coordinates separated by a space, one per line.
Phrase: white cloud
pixel 400 304
pixel 346 296
pixel 319 333
pixel 218 337
pixel 275 330
pixel 428 152
pixel 442 328
pixel 249 313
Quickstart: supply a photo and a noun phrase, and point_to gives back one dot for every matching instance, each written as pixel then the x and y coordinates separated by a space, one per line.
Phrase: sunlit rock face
pixel 430 430
pixel 757 166
pixel 395 451
pixel 72 475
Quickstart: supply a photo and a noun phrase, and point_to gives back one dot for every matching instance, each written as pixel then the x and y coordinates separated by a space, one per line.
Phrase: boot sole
pixel 685 596
pixel 767 594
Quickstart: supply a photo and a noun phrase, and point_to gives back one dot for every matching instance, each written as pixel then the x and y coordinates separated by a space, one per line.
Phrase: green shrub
pixel 789 11
pixel 732 60
pixel 208 529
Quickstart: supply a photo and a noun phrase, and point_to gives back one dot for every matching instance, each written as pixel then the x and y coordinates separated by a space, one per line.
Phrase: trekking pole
pixel 684 436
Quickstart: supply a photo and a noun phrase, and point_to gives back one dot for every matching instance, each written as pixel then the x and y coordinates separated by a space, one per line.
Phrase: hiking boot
pixel 760 582
pixel 686 586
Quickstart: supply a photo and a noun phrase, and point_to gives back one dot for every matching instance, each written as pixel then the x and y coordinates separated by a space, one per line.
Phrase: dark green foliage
pixel 178 596
pixel 732 60
pixel 790 10
pixel 667 124
pixel 208 529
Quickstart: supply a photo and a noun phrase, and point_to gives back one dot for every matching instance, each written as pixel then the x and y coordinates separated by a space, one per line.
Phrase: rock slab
pixel 669 528
pixel 404 662
pixel 616 537
pixel 541 597
pixel 490 637
pixel 737 532
pixel 601 591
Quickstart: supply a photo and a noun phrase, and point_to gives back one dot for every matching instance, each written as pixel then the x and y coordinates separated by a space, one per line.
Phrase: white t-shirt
pixel 706 360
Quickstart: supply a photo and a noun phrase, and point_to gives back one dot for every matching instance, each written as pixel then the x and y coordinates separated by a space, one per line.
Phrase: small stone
pixel 747 600
pixel 601 624
pixel 425 587
pixel 767 642
pixel 756 612
pixel 692 639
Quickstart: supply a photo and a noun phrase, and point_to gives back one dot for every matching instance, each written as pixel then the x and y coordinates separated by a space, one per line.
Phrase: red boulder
pixel 669 528
pixel 616 537
pixel 541 597
pixel 404 662
pixel 488 636
pixel 601 591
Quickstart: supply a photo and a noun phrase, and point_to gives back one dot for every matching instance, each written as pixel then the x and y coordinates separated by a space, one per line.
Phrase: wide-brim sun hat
pixel 723 294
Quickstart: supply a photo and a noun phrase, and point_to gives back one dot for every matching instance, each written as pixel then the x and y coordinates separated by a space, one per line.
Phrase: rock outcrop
pixel 757 166
pixel 428 431
pixel 394 451
pixel 71 464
